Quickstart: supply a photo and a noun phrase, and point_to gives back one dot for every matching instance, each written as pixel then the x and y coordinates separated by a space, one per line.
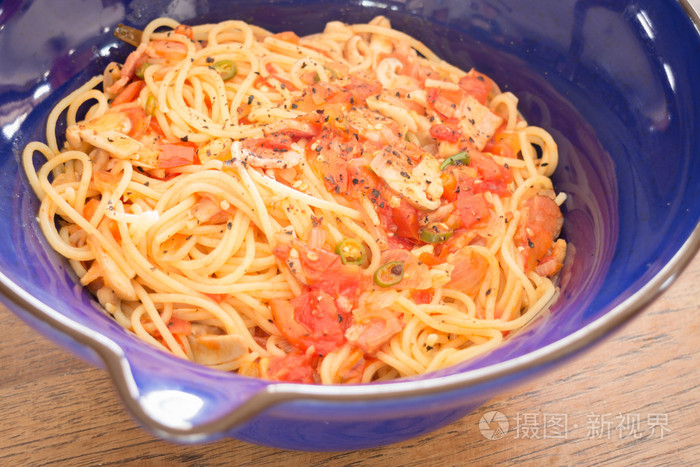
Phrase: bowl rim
pixel 119 369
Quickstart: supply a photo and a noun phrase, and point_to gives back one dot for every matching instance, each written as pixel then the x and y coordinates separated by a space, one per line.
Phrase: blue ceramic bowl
pixel 615 82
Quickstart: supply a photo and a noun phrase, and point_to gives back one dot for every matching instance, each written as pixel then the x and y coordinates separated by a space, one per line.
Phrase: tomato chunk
pixel 176 155
pixel 370 336
pixel 402 220
pixel 504 144
pixel 445 132
pixel 185 30
pixel 294 367
pixel 494 177
pixel 445 102
pixel 361 89
pixel 287 36
pixel 374 324
pixel 170 50
pixel 179 326
pixel 217 297
pixel 476 85
pixel 129 93
pixel 311 319
pixel 469 271
pixel 541 223
pixel 472 208
pixel 423 296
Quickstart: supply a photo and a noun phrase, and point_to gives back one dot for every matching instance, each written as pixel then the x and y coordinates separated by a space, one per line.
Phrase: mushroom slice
pixel 418 184
pixel 104 266
pixel 107 132
pixel 477 122
pixel 268 159
pixel 210 349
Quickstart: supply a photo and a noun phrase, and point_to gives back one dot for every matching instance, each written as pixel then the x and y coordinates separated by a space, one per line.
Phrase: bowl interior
pixel 601 77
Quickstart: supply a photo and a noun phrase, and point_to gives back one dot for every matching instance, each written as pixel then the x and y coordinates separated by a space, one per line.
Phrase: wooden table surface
pixel 635 397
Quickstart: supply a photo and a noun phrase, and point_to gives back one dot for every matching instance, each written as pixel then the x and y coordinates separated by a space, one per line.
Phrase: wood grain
pixel 597 409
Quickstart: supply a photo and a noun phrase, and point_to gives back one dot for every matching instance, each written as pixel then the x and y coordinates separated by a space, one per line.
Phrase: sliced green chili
pixel 351 251
pixel 437 232
pixel 226 68
pixel 317 77
pixel 141 71
pixel 151 105
pixel 389 274
pixel 331 72
pixel 459 158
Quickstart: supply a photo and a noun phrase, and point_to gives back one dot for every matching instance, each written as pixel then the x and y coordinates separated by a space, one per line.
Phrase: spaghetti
pixel 339 208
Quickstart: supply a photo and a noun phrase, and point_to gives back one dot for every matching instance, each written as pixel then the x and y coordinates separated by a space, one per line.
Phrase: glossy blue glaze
pixel 611 80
